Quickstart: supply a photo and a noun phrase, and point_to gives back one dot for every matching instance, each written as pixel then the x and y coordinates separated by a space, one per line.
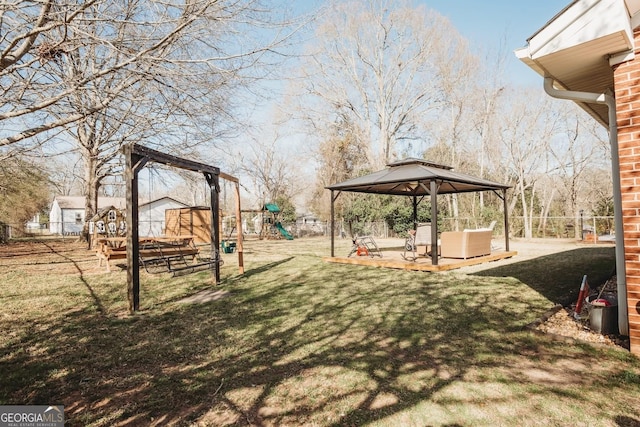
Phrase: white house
pixel 309 224
pixel 67 212
pixel 151 215
pixel 33 223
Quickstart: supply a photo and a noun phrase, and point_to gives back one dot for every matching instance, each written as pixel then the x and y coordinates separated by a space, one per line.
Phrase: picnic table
pixel 151 249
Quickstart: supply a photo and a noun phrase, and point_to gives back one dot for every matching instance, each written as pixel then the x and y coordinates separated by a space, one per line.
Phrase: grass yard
pixel 296 341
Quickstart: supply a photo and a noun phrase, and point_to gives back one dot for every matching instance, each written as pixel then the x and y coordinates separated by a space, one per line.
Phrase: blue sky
pixel 487 24
pixel 490 22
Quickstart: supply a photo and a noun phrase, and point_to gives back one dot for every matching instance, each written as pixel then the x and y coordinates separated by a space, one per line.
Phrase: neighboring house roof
pixel 579 46
pixel 169 199
pixel 78 202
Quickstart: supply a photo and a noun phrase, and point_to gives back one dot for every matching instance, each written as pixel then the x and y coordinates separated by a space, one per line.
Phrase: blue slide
pixel 284 232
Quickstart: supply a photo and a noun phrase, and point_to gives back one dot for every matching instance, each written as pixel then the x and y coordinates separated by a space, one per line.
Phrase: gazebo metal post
pixel 434 222
pixel 506 220
pixel 333 225
pixel 415 212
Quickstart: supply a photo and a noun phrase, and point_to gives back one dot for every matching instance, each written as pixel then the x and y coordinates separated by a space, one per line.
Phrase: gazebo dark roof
pixel 411 177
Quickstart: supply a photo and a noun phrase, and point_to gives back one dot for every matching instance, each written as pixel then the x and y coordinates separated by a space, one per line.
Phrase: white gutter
pixel 602 98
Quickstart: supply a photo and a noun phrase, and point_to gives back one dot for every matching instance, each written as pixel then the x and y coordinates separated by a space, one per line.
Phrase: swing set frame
pixel 136 157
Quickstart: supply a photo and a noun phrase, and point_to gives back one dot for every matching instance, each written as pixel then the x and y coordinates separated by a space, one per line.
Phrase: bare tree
pixel 340 156
pixel 65 173
pixel 43 43
pixel 39 36
pixel 464 125
pixel 115 72
pixel 529 123
pixel 382 65
pixel 575 154
pixel 273 175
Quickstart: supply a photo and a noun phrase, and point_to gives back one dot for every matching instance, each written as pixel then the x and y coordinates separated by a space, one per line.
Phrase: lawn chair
pixel 421 236
pixel 365 246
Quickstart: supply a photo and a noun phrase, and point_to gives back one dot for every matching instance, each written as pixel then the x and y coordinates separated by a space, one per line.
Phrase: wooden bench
pixel 107 253
pixel 151 249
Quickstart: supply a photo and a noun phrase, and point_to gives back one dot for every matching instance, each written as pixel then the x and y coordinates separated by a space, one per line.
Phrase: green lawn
pixel 296 341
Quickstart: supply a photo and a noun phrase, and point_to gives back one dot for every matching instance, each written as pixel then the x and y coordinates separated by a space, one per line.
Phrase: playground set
pixel 271 227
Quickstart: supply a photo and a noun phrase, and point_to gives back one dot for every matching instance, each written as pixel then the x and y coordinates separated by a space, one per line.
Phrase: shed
pixel 192 220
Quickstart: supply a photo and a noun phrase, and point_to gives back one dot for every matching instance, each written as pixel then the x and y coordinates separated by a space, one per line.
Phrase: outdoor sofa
pixel 465 244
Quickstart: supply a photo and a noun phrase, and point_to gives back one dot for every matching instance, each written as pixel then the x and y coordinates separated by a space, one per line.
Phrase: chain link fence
pixel 582 228
pixel 550 227
pixel 593 228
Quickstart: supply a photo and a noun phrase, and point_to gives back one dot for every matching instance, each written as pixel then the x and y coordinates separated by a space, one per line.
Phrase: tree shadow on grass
pixel 624 421
pixel 69 259
pixel 558 276
pixel 299 344
pixel 258 270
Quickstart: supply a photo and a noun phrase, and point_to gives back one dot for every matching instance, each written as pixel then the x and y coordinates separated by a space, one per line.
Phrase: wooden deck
pixel 393 259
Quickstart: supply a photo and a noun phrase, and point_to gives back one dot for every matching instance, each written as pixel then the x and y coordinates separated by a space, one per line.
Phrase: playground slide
pixel 284 232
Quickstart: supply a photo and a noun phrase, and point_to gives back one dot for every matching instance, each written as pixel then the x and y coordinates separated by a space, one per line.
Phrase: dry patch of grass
pixel 294 342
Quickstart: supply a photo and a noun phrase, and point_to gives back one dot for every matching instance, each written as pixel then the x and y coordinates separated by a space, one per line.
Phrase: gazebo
pixel 418 178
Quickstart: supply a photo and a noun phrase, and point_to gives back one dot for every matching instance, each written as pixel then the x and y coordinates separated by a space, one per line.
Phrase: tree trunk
pixel 91 197
pixel 454 205
pixel 525 213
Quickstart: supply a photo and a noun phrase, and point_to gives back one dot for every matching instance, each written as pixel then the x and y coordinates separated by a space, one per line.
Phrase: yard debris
pixel 564 324
pixel 569 322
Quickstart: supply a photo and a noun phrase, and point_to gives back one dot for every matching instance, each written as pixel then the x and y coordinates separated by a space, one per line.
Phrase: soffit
pixel 576 46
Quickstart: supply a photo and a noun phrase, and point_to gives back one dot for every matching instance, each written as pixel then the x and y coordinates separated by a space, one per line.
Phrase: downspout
pixel 610 102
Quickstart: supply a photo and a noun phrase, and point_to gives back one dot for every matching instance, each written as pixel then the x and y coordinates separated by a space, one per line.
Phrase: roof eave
pixel 578 47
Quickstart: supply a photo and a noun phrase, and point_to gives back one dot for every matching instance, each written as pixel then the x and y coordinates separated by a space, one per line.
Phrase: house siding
pixel 64 221
pixel 627 93
pixel 72 221
pixel 151 216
